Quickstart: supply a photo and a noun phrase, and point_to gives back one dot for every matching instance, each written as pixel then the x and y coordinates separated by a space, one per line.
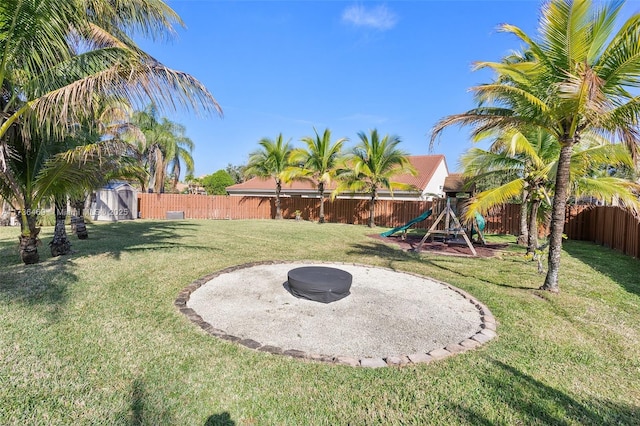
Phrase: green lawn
pixel 94 338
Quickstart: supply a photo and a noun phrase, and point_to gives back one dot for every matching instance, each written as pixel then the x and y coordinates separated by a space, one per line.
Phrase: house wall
pixel 436 183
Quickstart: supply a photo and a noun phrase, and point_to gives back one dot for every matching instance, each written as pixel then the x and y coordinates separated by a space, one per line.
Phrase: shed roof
pixel 455 183
pixel 116 185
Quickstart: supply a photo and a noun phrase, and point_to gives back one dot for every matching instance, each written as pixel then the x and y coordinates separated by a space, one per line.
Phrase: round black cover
pixel 319 283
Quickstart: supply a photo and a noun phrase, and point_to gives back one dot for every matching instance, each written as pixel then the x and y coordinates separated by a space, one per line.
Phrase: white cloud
pixel 378 17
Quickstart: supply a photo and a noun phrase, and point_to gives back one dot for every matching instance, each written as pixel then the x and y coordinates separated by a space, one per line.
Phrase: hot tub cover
pixel 319 283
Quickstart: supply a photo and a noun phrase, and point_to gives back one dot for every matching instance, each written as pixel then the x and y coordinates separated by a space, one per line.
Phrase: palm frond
pixel 611 190
pixel 619 63
pixel 490 198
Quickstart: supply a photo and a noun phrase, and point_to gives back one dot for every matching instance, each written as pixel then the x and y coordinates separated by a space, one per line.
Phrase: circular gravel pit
pixel 390 318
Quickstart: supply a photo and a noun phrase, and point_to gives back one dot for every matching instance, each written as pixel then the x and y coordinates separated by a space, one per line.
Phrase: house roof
pixel 268 185
pixel 455 183
pixel 426 165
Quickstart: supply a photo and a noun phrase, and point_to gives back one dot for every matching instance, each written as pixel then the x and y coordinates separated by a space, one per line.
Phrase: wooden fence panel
pixel 156 206
pixel 633 248
pixel 388 213
pixel 619 230
pixel 577 223
pixel 503 220
pixel 608 226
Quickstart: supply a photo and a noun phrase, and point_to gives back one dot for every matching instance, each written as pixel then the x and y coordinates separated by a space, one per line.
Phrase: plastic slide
pixel 481 222
pixel 406 226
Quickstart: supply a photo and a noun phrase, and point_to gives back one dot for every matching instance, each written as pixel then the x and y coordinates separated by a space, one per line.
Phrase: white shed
pixel 115 201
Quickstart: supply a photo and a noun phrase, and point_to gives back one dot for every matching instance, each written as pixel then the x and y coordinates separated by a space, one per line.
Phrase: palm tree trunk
pixel 60 245
pixel 372 209
pixel 176 176
pixel 523 238
pixel 160 167
pixel 152 168
pixel 532 239
pixel 558 216
pixel 29 236
pixel 278 205
pixel 80 227
pixel 321 191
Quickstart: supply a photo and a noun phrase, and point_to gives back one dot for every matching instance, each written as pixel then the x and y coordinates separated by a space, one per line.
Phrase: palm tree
pixel 58 60
pixel 272 160
pixel 528 162
pixel 594 165
pixel 318 163
pixel 162 145
pixel 524 162
pixel 112 125
pixel 372 165
pixel 180 152
pixel 75 172
pixel 53 169
pixel 573 79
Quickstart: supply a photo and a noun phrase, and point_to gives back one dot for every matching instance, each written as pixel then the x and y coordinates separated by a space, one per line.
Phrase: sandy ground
pixel 387 313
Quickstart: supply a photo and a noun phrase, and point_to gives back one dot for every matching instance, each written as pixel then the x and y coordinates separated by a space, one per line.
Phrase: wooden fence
pixel 608 226
pixel 388 213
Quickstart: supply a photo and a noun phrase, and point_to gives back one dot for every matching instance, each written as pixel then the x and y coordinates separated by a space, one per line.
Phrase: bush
pixel 216 184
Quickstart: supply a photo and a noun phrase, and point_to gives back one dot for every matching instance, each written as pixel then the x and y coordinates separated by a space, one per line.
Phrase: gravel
pixel 387 314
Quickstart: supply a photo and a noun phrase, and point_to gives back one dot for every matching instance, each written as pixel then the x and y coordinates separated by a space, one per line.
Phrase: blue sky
pixel 289 66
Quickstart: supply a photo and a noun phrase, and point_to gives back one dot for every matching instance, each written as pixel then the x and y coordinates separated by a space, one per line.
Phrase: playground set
pixel 447 226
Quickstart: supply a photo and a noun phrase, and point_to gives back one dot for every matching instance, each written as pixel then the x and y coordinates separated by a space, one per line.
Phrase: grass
pixel 94 338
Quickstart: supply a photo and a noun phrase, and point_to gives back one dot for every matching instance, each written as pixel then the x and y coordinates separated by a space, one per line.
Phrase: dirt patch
pixel 453 248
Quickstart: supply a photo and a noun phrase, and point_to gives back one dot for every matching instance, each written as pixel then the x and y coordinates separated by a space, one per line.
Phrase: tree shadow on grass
pixel 222 419
pixel 113 239
pixel 44 284
pixel 539 403
pixel 622 269
pixel 145 410
pixel 390 254
pixel 9 252
pixel 443 262
pixel 131 236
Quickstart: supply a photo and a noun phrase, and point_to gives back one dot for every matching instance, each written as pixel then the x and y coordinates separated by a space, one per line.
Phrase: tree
pixel 524 162
pixel 236 172
pixel 53 169
pixel 179 152
pixel 575 78
pixel 318 163
pixel 372 165
pixel 77 171
pixel 163 147
pixel 58 60
pixel 594 173
pixel 216 183
pixel 272 160
pixel 527 161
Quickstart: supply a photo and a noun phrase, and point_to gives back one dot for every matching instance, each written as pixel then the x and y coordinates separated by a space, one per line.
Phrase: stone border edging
pixel 487 328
